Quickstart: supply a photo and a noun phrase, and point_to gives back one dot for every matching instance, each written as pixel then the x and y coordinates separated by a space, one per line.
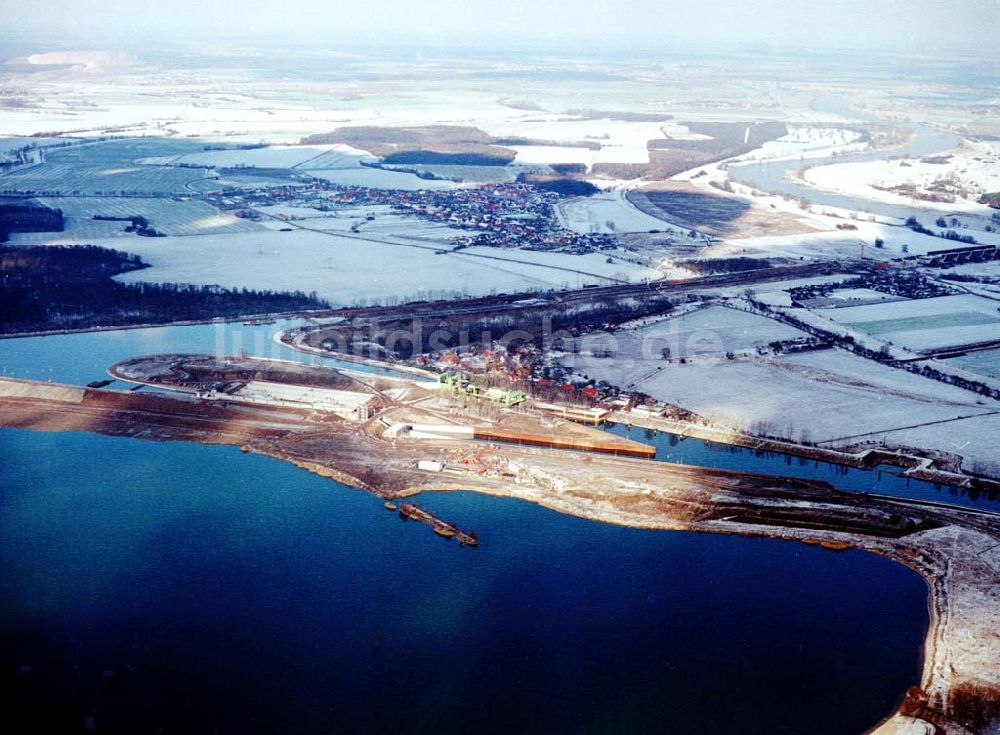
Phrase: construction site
pixel 399 437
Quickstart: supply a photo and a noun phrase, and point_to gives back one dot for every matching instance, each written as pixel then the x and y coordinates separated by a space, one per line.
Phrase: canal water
pixel 179 588
pixel 81 358
pixel 884 480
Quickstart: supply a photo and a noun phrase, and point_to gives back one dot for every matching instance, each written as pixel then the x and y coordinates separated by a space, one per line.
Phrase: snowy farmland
pixel 972 170
pixel 708 332
pixel 831 243
pixel 275 156
pixel 387 225
pixel 807 141
pixel 824 396
pixel 973 438
pixel 169 216
pixel 338 164
pixel 105 168
pixel 553 154
pixel 984 362
pixel 14 143
pixel 346 270
pixel 621 141
pixel 473 174
pixel 606 212
pixel 378 178
pixel 926 325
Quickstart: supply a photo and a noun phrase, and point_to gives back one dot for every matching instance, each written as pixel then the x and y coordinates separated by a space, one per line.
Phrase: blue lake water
pixel 169 587
pixel 83 357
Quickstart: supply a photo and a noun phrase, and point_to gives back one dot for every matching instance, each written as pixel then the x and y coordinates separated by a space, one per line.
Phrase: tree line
pixel 45 288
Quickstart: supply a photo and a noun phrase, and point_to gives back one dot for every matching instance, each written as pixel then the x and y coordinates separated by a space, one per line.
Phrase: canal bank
pixel 920 469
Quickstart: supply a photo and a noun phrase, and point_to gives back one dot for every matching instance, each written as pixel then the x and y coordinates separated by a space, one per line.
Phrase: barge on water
pixel 444 529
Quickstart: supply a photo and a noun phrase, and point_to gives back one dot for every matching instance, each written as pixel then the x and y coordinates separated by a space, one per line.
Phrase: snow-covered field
pixel 987 270
pixel 973 438
pixel 985 362
pixel 842 297
pixel 807 141
pixel 974 167
pixel 345 270
pixel 926 324
pixel 275 156
pixel 833 243
pixel 548 154
pixel 476 174
pixel 97 180
pixel 293 212
pixel 607 212
pixel 9 144
pixel 621 142
pixel 387 224
pixel 378 178
pixel 708 332
pixel 340 164
pixel 827 395
pixel 169 216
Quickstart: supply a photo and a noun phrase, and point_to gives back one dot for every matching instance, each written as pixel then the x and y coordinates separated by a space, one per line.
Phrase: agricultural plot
pixel 474 174
pixel 974 439
pixel 709 332
pixel 9 144
pixel 346 270
pixel 607 212
pixel 377 178
pixel 550 154
pixel 926 325
pixel 621 141
pixel 859 296
pixel 169 216
pixel 107 168
pixel 825 396
pixel 337 156
pixel 984 362
pixel 689 208
pixel 810 141
pixel 386 225
pixel 834 244
pixel 77 230
pixel 275 156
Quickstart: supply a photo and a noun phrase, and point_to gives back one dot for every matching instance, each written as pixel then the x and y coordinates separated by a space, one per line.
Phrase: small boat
pixel 410 511
pixel 390 506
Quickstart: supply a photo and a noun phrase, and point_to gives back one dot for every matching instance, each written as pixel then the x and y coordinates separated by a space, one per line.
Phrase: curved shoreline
pixel 919 468
pixel 956 551
pixel 930 706
pixel 298 346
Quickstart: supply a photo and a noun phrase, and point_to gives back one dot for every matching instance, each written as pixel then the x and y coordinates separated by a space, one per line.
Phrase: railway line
pixel 508 302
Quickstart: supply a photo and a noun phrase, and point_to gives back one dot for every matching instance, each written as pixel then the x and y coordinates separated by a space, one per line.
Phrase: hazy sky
pixel 910 23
